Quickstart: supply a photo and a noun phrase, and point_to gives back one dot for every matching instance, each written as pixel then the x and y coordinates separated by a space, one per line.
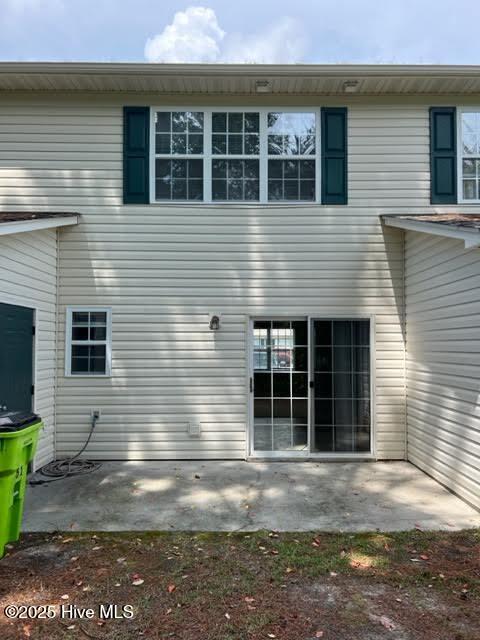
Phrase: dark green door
pixel 16 358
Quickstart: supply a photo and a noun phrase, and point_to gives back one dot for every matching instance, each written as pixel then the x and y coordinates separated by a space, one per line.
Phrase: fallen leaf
pixel 271 635
pixel 96 548
pixel 171 588
pixel 249 599
pixel 333 574
pixel 72 626
pixel 415 560
pixel 117 584
pixel 424 556
pixel 26 630
pixel 387 623
pixel 65 596
pixel 227 616
pixel 274 552
pixel 138 582
pixel 168 611
pixel 120 560
pixel 319 634
pixel 289 570
pixel 73 558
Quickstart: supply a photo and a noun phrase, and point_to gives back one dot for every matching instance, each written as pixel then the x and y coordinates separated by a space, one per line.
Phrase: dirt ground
pixel 401 586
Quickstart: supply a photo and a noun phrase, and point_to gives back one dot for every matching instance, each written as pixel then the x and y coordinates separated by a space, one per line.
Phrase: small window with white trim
pixel 88 342
pixel 469 155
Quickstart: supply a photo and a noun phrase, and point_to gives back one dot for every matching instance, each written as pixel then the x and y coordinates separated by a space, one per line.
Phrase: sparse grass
pixel 245 586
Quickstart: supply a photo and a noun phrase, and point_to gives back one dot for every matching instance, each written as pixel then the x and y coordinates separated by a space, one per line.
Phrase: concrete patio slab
pixel 246 496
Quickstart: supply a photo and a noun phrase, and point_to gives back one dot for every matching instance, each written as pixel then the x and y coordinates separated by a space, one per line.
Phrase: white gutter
pixel 19 226
pixel 470 238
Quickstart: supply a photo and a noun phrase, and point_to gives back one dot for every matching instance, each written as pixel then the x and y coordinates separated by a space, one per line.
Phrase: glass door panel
pixel 341 374
pixel 280 385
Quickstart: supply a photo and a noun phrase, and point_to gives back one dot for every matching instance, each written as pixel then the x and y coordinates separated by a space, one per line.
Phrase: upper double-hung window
pixel 235 164
pixel 234 155
pixel 292 156
pixel 179 152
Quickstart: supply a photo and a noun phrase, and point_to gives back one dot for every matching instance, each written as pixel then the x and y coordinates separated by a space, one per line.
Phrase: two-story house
pixel 234 261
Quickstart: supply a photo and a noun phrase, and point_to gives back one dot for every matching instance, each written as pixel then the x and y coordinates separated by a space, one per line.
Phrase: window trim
pixel 263 156
pixel 68 342
pixel 460 157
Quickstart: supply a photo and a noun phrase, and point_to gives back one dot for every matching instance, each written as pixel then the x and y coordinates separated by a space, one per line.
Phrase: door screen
pixel 341 359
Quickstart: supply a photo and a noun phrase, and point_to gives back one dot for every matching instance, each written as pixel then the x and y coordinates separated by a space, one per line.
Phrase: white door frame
pixel 308 454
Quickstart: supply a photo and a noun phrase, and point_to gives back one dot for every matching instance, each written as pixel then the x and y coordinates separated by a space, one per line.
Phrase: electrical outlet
pixel 95 413
pixel 194 429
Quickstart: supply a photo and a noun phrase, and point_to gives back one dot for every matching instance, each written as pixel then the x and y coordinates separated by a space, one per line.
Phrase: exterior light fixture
pixel 350 86
pixel 262 86
pixel 214 323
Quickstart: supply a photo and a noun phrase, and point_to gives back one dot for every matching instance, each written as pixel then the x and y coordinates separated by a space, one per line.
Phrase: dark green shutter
pixel 443 155
pixel 136 147
pixel 334 155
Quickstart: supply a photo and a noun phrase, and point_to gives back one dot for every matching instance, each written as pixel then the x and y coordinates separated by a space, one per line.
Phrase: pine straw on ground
pixel 211 586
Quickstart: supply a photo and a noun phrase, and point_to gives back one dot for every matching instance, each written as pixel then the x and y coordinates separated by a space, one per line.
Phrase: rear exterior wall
pixel 164 268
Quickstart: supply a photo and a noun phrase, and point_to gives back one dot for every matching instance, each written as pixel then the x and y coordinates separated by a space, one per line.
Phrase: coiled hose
pixel 74 466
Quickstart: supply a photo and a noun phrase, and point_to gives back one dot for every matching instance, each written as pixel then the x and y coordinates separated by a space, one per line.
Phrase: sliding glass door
pixel 311 395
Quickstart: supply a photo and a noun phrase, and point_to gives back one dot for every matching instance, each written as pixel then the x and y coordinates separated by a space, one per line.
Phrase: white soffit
pixel 303 79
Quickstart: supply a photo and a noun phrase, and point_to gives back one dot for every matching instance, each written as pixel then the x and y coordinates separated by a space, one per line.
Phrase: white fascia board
pixel 214 69
pixel 20 226
pixel 470 238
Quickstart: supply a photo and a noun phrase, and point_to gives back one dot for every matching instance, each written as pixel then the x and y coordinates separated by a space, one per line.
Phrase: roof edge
pixel 38 224
pixel 219 69
pixel 470 236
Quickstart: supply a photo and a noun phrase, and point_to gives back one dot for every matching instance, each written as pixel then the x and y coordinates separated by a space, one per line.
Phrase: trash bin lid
pixel 16 420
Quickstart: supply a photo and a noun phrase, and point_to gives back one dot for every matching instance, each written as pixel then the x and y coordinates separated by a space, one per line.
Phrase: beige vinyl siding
pixel 443 361
pixel 28 266
pixel 162 269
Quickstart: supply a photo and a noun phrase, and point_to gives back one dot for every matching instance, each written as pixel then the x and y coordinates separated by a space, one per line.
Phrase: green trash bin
pixel 18 443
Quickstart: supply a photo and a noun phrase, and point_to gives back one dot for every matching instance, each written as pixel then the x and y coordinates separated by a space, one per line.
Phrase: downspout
pixel 55 373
